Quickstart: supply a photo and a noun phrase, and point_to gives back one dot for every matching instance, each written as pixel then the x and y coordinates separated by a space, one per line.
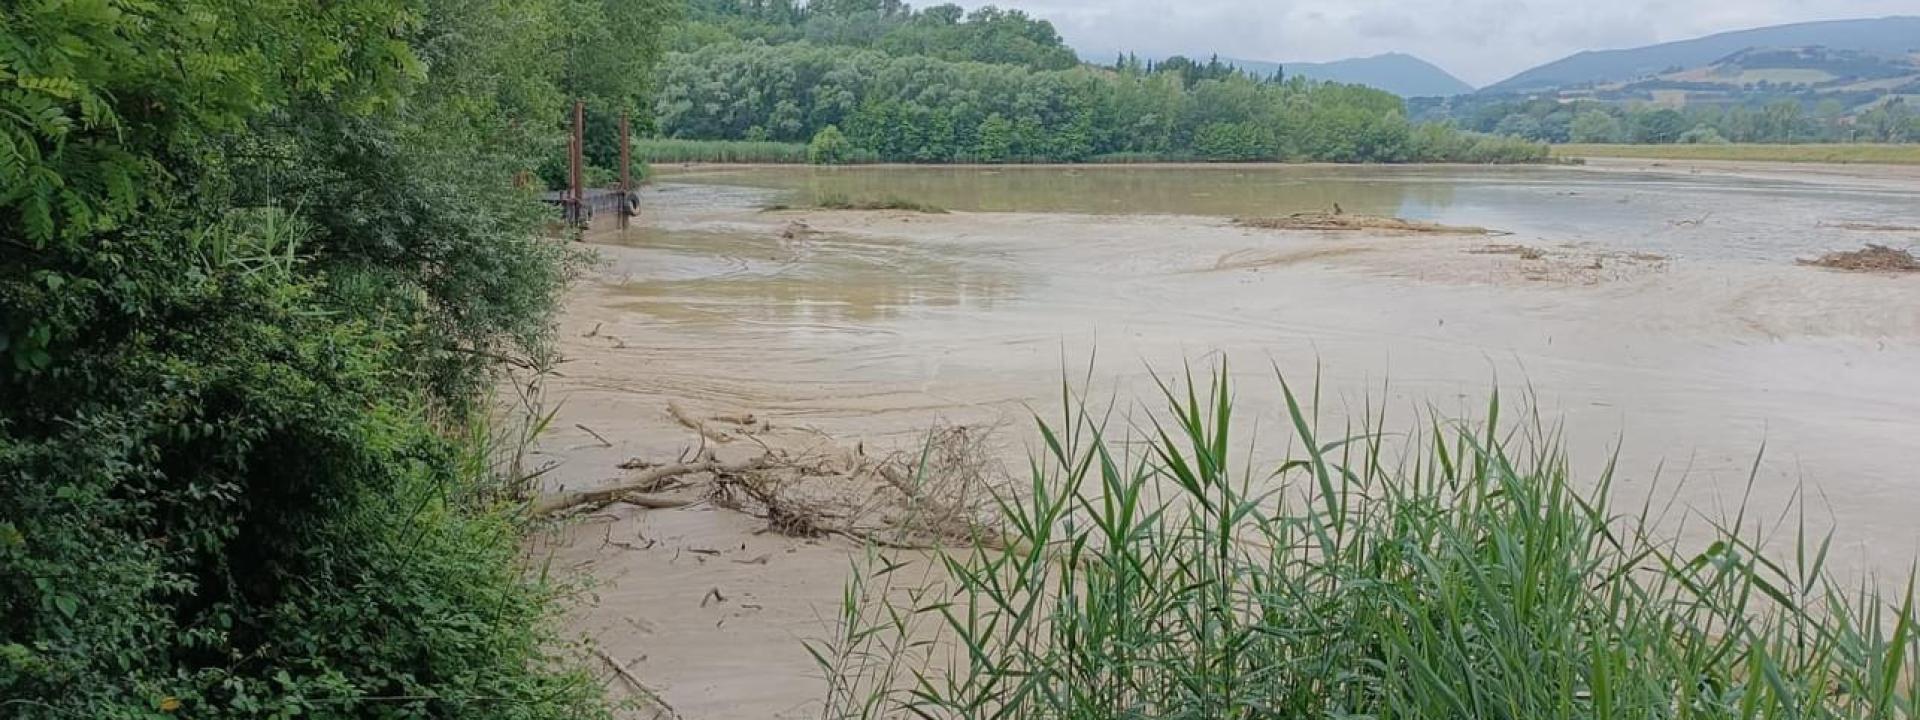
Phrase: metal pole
pixel 575 158
pixel 626 170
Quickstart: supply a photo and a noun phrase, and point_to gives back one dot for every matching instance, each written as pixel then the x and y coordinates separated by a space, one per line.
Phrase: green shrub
pixel 255 277
pixel 220 493
pixel 1457 571
pixel 1702 134
pixel 829 147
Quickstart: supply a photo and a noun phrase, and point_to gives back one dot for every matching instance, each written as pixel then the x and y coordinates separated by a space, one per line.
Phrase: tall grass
pixel 663 150
pixel 1454 572
pixel 1863 153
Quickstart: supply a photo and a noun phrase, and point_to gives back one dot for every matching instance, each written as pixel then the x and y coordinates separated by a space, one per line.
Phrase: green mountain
pixel 1887 36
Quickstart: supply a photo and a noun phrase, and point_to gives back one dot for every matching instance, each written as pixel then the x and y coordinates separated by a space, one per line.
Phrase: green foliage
pixel 948 32
pixel 1235 142
pixel 1455 571
pixel 94 93
pixel 1437 143
pixel 829 147
pixel 1664 125
pixel 921 109
pixel 1596 126
pixel 1778 120
pixel 259 265
pixel 1701 135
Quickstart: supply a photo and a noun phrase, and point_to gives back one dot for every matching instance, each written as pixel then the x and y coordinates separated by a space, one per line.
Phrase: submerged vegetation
pixel 1459 571
pixel 258 263
pixel 992 87
pixel 842 202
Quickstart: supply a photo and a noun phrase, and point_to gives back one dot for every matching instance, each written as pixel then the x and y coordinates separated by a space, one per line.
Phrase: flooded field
pixel 1656 315
pixel 1636 206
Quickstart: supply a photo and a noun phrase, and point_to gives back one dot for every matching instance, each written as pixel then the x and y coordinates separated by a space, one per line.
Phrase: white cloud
pixel 1482 41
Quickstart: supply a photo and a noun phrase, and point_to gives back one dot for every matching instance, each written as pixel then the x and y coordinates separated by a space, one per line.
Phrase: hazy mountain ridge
pixel 1892 36
pixel 1397 73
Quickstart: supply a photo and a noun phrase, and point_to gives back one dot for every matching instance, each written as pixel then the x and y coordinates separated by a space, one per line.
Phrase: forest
pixel 941 85
pixel 1779 120
pixel 260 266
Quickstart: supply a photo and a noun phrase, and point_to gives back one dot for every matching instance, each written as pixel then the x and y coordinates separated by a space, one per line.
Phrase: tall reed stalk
pixel 1456 571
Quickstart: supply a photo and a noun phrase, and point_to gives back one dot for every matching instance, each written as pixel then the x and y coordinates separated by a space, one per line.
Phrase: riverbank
pixel 1827 153
pixel 863 329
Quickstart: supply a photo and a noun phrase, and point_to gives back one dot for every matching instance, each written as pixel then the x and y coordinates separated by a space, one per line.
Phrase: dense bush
pixel 256 262
pixel 829 147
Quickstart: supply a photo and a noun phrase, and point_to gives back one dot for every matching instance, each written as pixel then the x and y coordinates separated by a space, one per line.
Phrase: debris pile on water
pixel 1339 221
pixel 1524 252
pixel 1872 258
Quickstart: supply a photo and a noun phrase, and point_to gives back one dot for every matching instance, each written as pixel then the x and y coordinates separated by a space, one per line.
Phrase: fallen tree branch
pixel 596 436
pixel 634 682
pixel 643 482
pixel 683 417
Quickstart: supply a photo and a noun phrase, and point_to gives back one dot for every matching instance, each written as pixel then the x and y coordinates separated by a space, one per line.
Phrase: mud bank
pixel 870 327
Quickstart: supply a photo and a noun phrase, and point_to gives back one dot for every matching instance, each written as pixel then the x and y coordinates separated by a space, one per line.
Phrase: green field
pixel 1907 154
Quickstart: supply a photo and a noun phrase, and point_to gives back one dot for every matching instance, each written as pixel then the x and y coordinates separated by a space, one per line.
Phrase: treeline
pixel 1778 121
pixel 914 108
pixel 948 32
pixel 258 265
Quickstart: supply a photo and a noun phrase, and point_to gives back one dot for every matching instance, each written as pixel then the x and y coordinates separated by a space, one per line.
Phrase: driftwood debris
pixel 680 415
pixel 634 682
pixel 1344 222
pixel 635 489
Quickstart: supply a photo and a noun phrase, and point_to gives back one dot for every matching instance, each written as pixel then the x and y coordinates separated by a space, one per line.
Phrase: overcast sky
pixel 1481 41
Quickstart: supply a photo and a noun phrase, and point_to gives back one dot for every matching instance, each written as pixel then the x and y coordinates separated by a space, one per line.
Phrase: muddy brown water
pixel 1665 210
pixel 869 326
pixel 874 322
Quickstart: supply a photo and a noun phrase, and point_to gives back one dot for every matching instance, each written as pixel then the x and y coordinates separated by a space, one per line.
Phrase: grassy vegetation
pixel 1427 145
pixel 1867 153
pixel 1455 572
pixel 663 150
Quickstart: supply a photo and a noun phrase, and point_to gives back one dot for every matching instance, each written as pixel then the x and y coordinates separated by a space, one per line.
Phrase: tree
pixel 1519 125
pixel 829 147
pixel 1783 121
pixel 1702 134
pixel 1658 126
pixel 256 262
pixel 1596 126
pixel 924 109
pixel 1890 121
pixel 995 143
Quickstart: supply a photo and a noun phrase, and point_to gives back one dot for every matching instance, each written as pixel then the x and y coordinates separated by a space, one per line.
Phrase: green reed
pixel 1453 571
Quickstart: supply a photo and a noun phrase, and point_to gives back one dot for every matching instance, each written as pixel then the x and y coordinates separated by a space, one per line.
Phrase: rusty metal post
pixel 576 156
pixel 626 169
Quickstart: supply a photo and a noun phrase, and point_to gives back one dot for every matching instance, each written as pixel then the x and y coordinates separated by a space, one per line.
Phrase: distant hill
pixel 1892 36
pixel 1397 73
